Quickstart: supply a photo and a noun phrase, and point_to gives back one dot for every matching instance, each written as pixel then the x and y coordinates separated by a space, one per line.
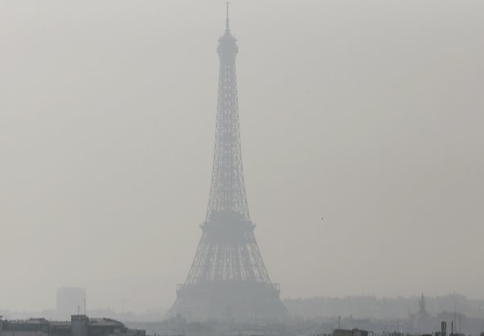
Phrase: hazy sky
pixel 366 113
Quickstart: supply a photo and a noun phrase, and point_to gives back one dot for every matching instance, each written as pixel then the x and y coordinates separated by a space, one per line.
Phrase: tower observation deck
pixel 228 278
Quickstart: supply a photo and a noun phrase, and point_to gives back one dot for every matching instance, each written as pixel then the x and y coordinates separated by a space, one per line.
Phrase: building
pixel 350 332
pixel 80 325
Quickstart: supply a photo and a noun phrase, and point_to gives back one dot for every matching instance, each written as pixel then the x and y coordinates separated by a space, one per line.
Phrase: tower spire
pixel 227 17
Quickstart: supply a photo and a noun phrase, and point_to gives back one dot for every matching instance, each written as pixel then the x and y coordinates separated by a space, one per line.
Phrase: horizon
pixel 153 309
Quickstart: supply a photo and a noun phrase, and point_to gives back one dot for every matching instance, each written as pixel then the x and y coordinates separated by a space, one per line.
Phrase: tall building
pixel 228 279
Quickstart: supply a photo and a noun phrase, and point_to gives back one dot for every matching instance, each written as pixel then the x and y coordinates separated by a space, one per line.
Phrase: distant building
pixel 70 301
pixel 423 322
pixel 80 325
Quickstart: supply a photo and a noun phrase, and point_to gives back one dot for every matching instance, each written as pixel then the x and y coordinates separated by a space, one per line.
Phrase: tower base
pixel 229 300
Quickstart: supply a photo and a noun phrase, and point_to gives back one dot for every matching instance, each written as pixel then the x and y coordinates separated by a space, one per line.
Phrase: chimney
pixel 443 328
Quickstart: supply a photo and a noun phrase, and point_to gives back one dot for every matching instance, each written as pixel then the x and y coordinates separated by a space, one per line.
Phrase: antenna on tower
pixel 227 18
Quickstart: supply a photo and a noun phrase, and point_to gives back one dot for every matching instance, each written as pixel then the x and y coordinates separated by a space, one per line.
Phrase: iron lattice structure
pixel 228 278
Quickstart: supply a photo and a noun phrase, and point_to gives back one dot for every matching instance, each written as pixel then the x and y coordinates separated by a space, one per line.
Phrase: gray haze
pixel 366 113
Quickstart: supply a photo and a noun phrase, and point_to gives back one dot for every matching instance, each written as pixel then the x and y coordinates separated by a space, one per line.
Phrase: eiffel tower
pixel 228 278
